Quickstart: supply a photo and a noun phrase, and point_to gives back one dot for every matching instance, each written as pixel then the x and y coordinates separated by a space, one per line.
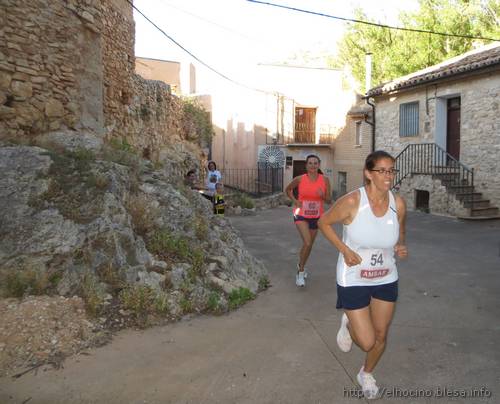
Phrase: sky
pixel 233 36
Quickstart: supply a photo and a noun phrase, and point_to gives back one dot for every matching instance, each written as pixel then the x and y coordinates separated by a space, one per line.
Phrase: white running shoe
pixel 344 340
pixel 306 273
pixel 299 279
pixel 368 384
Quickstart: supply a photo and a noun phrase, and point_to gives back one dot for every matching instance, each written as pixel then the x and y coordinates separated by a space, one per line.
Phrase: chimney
pixel 368 72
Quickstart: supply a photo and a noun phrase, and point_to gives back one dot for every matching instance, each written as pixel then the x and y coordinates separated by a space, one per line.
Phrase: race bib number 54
pixel 376 263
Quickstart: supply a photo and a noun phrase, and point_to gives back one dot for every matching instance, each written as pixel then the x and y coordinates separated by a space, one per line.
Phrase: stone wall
pixel 42 59
pixel 154 118
pixel 118 38
pixel 440 201
pixel 70 65
pixel 479 131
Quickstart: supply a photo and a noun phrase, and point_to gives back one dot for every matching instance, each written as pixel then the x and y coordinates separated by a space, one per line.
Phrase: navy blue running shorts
pixel 357 297
pixel 312 222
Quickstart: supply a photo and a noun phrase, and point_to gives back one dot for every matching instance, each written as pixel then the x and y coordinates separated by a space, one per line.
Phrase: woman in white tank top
pixel 373 233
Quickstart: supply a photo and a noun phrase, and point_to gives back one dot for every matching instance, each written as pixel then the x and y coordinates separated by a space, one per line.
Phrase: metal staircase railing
pixel 431 159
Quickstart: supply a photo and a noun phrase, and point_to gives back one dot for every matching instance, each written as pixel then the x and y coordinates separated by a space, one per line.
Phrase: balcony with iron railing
pixel 307 135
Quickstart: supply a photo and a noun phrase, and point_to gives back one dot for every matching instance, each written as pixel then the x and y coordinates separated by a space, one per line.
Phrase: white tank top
pixel 373 238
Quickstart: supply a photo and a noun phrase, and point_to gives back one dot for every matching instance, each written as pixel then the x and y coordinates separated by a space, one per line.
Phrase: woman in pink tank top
pixel 313 190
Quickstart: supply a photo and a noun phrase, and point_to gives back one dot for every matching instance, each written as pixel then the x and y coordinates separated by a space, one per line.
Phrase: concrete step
pixel 459 189
pixel 489 211
pixel 478 203
pixel 467 196
pixel 478 218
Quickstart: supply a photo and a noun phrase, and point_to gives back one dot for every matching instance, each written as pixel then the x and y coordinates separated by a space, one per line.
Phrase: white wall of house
pixel 479 129
pixel 245 119
pixel 325 89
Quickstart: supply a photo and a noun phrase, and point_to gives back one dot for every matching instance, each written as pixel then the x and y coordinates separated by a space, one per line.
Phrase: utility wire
pixel 195 57
pixel 371 23
pixel 248 38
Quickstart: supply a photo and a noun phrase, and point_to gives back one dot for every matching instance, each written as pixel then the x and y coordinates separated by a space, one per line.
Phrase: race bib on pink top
pixel 311 209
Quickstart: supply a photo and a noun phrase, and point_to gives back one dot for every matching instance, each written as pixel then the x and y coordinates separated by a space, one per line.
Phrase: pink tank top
pixel 312 202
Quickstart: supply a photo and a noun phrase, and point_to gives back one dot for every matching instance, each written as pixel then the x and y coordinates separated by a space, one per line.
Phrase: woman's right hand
pixel 351 258
pixel 297 203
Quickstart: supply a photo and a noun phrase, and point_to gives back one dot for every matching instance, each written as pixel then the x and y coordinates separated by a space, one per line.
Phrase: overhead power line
pixel 371 23
pixel 194 56
pixel 246 37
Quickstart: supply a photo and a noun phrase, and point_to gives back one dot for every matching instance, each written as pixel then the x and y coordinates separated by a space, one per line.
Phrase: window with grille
pixel 408 119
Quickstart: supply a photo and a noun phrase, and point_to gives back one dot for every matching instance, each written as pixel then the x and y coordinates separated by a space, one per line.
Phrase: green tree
pixel 396 53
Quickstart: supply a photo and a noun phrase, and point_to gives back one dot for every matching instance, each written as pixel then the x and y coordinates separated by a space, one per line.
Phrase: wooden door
pixel 453 128
pixel 299 168
pixel 305 125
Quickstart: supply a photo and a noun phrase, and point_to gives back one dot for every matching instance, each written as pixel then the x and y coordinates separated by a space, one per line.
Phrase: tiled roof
pixel 477 59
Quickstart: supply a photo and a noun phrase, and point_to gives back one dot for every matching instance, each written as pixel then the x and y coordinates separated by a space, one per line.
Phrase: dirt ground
pixel 43 329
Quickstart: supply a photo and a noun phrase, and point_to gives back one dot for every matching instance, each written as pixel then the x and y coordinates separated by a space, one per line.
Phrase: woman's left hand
pixel 401 250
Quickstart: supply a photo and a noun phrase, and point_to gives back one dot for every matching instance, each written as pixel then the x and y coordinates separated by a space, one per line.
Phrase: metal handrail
pixel 431 159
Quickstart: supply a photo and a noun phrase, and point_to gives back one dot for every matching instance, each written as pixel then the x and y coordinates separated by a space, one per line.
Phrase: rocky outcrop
pixel 83 224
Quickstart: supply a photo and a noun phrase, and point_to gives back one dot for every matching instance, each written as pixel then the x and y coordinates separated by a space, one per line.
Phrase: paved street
pixel 280 348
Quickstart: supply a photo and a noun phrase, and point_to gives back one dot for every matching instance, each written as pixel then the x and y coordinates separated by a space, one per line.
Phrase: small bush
pixel 200 226
pixel 111 276
pixel 82 154
pixel 239 296
pixel 243 200
pixel 97 181
pixel 213 303
pixel 120 152
pixel 142 213
pixel 122 145
pixel 164 244
pixel 197 123
pixel 197 258
pixel 186 305
pixel 141 300
pixel 161 303
pixel 19 283
pixel 264 283
pixel 92 293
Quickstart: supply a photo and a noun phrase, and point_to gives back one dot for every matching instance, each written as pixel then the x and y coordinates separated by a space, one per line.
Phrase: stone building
pixel 69 65
pixel 443 123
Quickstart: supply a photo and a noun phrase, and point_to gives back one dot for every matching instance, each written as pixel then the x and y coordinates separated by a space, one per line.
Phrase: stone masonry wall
pixel 40 56
pixel 118 38
pixel 479 132
pixel 154 118
pixel 440 201
pixel 69 64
